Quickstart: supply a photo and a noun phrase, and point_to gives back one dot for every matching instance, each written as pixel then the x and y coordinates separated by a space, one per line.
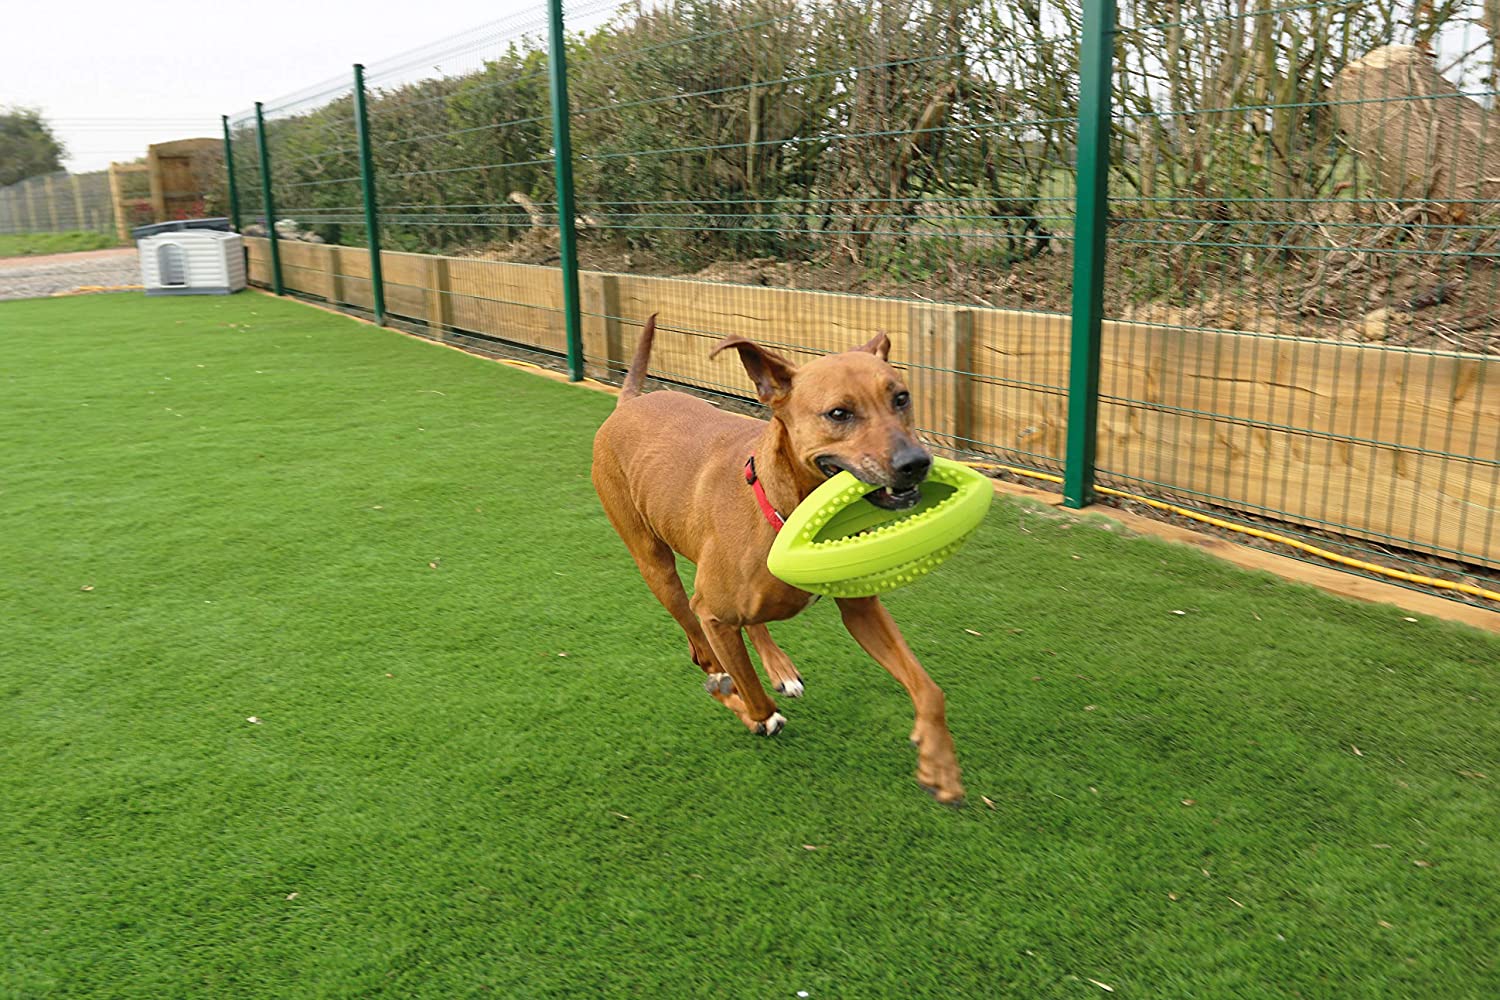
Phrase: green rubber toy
pixel 839 544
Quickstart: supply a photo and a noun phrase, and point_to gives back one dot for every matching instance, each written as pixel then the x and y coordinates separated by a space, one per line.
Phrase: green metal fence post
pixel 265 190
pixel 1089 239
pixel 562 148
pixel 234 192
pixel 367 187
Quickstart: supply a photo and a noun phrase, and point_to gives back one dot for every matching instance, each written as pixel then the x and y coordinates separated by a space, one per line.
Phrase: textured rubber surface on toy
pixel 839 544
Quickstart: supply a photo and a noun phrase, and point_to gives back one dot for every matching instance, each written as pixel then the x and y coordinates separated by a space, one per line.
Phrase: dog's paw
pixel 792 689
pixel 947 796
pixel 719 684
pixel 771 724
pixel 937 764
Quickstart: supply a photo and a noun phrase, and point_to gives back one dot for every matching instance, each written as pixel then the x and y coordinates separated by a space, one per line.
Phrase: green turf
pixel 30 244
pixel 485 766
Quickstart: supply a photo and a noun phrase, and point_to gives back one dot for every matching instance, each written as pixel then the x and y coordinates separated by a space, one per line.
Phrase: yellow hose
pixel 1368 567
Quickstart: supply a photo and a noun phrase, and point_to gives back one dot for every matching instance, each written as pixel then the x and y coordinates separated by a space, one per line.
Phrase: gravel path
pixel 38 277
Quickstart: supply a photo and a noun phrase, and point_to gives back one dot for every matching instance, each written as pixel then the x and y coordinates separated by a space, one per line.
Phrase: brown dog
pixel 676 474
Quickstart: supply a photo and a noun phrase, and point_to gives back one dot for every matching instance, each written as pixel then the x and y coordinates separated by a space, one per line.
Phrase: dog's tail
pixel 631 387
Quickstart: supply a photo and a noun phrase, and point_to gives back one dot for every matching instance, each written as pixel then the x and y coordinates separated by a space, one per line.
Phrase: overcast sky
pixel 113 78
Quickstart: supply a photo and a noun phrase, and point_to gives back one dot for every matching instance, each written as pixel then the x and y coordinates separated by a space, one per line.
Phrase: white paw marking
pixel 771 725
pixel 719 684
pixel 792 689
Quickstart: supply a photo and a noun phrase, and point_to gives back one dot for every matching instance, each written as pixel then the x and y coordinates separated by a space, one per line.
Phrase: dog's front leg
pixel 778 666
pixel 874 629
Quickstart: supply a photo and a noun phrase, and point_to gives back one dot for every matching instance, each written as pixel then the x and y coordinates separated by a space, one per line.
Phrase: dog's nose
pixel 911 467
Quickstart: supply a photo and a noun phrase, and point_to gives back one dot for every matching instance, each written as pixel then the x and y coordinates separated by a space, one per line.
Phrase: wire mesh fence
pixel 58 203
pixel 1304 251
pixel 461 160
pixel 1298 289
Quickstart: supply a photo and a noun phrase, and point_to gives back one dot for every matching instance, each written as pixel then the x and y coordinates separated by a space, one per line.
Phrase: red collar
pixel 775 519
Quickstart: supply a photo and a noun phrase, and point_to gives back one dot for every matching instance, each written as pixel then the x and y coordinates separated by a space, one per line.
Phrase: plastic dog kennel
pixel 192 262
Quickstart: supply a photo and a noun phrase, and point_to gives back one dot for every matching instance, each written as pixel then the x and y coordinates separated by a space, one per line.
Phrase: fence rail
pixel 1265 319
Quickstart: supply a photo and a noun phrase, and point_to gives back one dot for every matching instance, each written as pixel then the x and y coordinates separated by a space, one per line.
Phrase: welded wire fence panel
pixel 901 154
pixel 461 140
pixel 316 187
pixel 1299 284
pixel 462 146
pixel 1303 261
pixel 58 203
pixel 902 157
pixel 461 155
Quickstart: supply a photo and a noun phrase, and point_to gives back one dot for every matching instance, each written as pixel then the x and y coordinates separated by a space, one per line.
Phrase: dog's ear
pixel 771 373
pixel 879 345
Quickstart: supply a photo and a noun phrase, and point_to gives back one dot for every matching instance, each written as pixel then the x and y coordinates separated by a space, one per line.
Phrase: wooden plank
pixel 520 303
pixel 356 288
pixel 1363 440
pixel 175 187
pixel 1020 366
pixel 695 315
pixel 940 352
pixel 1258 424
pixel 304 268
pixel 158 195
pixel 356 262
pixel 439 310
pixel 258 260
pixel 117 198
pixel 405 277
pixel 334 264
pixel 603 352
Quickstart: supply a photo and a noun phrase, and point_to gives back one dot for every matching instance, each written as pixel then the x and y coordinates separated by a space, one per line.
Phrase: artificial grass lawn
pixel 484 765
pixel 30 244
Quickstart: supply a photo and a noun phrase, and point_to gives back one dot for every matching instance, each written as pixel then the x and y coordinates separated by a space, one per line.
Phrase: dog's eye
pixel 902 400
pixel 840 415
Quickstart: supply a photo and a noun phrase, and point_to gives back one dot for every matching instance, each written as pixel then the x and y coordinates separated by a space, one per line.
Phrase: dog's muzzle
pixel 909 467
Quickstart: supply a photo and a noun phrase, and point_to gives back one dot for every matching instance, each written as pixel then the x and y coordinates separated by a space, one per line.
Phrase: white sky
pixel 113 78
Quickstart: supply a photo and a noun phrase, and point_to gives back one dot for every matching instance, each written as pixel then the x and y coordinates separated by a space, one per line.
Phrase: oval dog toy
pixel 838 543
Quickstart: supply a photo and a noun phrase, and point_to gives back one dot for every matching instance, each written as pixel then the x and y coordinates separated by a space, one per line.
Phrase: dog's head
pixel 849 411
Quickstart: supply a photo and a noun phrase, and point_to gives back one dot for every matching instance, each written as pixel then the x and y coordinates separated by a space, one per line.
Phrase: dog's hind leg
pixel 658 566
pixel 778 666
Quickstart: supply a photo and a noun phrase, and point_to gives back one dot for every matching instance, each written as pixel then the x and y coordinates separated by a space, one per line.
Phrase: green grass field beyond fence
pixel 484 766
pixel 32 244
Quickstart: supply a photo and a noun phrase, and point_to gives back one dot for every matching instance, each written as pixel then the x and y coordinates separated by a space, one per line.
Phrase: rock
pixel 1382 324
